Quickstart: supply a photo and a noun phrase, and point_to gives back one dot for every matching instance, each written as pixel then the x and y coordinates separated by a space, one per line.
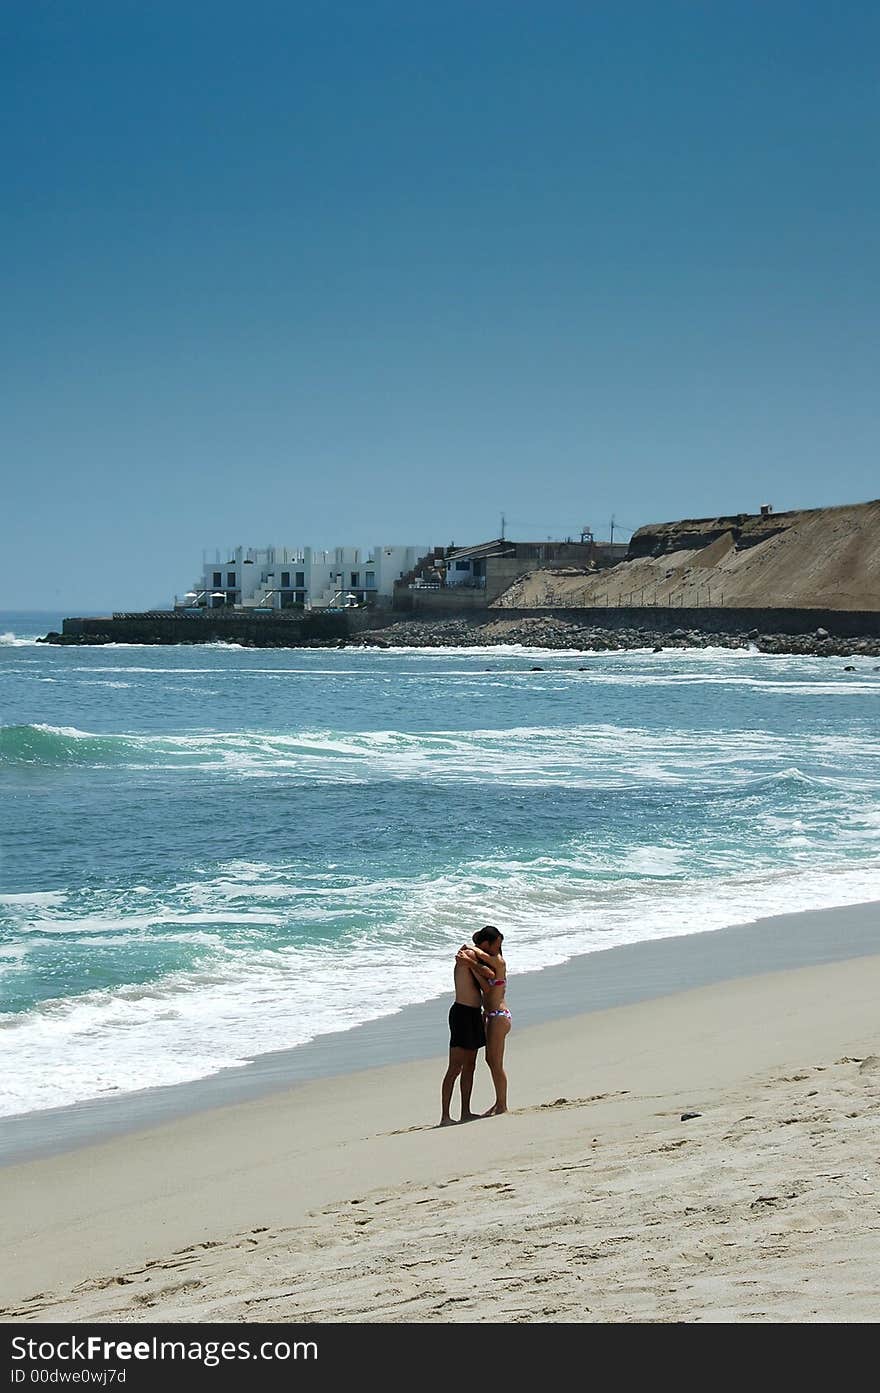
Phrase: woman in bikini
pixel 490 971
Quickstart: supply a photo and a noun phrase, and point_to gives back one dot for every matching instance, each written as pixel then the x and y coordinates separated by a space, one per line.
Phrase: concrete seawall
pixel 299 629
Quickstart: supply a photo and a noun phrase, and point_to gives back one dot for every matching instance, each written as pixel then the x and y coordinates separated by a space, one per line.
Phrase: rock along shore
pixel 547 632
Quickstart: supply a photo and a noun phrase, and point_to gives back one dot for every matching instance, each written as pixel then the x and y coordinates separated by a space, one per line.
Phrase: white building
pixel 283 577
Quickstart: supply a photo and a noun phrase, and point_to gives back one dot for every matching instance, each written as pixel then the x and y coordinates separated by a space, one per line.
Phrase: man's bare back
pixel 467 993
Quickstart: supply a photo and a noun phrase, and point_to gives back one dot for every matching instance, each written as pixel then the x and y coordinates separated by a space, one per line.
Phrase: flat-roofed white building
pixel 285 577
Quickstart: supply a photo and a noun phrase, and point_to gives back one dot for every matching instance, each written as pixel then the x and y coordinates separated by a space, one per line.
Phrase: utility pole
pixel 611 539
pixel 503 526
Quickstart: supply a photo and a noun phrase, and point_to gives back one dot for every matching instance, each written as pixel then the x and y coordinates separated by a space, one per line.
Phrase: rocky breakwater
pixel 542 631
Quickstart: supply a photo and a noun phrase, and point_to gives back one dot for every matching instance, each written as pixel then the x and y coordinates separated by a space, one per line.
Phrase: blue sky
pixel 375 272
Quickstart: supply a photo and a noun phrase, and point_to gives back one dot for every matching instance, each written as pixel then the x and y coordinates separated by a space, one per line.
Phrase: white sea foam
pixel 111 922
pixel 157 671
pixel 34 899
pixel 655 860
pixel 12 955
pixel 71 732
pixel 580 756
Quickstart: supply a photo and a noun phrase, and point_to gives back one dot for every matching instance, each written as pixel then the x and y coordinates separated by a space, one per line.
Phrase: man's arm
pixel 469 956
pixel 494 961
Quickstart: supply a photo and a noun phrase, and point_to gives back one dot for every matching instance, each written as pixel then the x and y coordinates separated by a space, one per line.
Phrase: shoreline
pixel 706 1155
pixel 605 979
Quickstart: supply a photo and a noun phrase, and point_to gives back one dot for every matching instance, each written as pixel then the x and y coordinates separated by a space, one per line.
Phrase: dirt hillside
pixel 824 558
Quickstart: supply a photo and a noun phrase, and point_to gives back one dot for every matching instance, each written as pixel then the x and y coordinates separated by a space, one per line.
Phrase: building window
pixel 285 580
pixel 300 579
pixel 355 578
pixel 230 597
pixel 300 597
pixel 218 578
pixel 462 565
pixel 370 580
pixel 230 578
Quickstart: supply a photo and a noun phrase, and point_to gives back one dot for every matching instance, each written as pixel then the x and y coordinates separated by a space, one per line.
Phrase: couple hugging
pixel 478 1017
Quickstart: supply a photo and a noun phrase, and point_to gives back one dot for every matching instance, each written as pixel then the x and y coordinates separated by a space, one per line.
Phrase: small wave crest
pixel 58 745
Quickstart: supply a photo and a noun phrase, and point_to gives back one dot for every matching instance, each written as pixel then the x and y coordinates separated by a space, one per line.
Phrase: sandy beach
pixel 592 1200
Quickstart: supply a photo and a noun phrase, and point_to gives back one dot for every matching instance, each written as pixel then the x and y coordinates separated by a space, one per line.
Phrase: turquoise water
pixel 210 852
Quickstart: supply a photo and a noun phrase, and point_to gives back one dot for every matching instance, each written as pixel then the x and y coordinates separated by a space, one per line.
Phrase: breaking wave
pixel 588 756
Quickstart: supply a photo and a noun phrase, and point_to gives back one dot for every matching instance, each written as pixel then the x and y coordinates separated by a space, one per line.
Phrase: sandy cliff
pixel 823 558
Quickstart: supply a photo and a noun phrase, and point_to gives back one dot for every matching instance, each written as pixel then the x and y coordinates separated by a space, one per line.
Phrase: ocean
pixel 207 853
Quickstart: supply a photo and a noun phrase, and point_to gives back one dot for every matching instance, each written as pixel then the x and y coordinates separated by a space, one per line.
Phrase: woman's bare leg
pixel 497 1031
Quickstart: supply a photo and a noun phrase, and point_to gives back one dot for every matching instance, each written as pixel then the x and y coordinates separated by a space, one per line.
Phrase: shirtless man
pixel 466 1037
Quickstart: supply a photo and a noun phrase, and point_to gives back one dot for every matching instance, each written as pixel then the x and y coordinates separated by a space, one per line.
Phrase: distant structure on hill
pixel 476 575
pixel 277 578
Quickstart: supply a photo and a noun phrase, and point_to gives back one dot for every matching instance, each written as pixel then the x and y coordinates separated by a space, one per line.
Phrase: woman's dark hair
pixel 487 935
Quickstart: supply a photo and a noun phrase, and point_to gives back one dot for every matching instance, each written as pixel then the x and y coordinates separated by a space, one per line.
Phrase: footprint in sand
pixel 580 1102
pixel 150 1298
pixel 102 1283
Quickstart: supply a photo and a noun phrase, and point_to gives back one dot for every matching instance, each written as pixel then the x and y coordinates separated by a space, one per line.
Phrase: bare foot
pixel 495 1111
pixel 446 1122
pixel 470 1116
